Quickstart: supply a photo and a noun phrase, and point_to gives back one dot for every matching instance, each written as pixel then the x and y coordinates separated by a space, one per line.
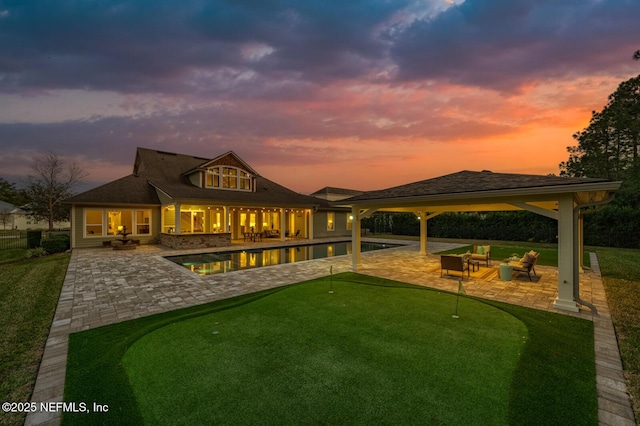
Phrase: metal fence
pixel 13 239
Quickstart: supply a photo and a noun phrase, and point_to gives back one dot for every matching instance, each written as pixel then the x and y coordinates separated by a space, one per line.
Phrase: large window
pixel 93 222
pixel 137 222
pixel 228 178
pixel 331 225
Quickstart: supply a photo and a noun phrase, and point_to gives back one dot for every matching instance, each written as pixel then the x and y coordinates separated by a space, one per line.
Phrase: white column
pixel 73 226
pixel 283 224
pixel 355 239
pixel 567 254
pixel 177 213
pixel 423 233
pixel 580 241
pixel 310 224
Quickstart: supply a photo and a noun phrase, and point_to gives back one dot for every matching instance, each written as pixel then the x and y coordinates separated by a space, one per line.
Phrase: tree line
pixel 612 226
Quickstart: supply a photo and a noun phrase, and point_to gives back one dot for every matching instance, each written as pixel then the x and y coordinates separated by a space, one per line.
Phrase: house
pixel 184 201
pixel 14 217
pixel 335 194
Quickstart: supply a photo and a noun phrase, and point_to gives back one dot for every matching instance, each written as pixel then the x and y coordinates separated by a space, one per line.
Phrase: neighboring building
pixel 336 194
pixel 13 217
pixel 186 201
pixel 341 216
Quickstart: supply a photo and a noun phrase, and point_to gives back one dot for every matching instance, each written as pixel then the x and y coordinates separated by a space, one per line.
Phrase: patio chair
pixel 526 264
pixel 482 253
pixel 454 263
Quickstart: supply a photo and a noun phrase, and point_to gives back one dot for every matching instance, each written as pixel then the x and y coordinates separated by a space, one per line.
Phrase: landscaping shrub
pixel 33 239
pixel 36 252
pixel 611 226
pixel 57 244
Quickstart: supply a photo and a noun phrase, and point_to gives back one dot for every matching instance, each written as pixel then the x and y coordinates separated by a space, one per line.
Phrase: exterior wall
pixel 320 224
pixel 22 222
pixel 191 241
pixel 96 241
pixel 164 198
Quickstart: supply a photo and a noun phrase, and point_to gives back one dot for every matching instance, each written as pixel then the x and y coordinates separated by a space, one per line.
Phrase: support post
pixel 423 233
pixel 581 266
pixel 568 276
pixel 310 225
pixel 283 225
pixel 355 239
pixel 73 226
pixel 177 213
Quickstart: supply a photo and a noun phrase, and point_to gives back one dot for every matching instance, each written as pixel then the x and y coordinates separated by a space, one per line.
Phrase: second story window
pixel 228 178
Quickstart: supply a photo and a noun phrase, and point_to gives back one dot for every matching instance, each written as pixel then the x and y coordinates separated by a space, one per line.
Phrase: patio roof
pixel 484 191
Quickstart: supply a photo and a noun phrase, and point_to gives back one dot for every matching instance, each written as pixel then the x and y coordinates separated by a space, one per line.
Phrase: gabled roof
pixel 8 207
pixel 229 158
pixel 168 172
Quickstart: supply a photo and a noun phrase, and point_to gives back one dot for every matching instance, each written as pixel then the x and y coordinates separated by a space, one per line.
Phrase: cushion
pixel 487 249
pixel 480 250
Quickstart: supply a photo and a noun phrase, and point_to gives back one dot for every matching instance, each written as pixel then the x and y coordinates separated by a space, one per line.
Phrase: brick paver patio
pixel 104 287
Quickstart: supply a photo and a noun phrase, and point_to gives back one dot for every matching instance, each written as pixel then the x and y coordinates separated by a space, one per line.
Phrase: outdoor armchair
pixel 454 263
pixel 482 253
pixel 526 264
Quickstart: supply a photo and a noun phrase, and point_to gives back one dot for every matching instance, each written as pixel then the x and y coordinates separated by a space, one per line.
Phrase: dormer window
pixel 222 177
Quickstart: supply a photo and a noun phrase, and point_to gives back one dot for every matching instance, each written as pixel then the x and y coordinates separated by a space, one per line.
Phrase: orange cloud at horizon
pixel 407 134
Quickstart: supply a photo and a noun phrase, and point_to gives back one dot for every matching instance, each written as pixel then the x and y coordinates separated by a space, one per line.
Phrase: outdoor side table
pixel 474 265
pixel 505 272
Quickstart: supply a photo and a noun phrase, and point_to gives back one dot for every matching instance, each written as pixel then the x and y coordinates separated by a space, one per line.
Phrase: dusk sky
pixel 311 93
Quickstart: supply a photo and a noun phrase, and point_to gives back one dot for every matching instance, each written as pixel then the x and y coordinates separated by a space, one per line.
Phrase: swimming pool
pixel 221 262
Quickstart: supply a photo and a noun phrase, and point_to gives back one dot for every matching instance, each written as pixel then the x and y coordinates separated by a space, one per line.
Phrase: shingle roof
pixel 333 190
pixel 4 206
pixel 166 171
pixel 469 181
pixel 127 190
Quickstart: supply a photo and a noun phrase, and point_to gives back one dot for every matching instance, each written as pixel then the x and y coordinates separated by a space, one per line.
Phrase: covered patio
pixel 560 198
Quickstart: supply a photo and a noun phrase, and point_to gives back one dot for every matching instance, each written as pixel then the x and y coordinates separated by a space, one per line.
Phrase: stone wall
pixel 190 241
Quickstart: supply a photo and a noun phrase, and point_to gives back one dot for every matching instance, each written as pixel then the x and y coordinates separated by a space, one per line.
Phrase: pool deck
pixel 105 286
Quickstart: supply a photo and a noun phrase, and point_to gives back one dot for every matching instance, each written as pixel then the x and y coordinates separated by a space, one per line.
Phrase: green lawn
pixel 29 291
pixel 374 351
pixel 621 278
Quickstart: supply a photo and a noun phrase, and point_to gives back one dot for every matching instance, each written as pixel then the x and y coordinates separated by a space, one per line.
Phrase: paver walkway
pixel 104 287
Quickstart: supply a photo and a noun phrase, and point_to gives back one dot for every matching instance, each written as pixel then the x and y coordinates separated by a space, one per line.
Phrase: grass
pixel 29 291
pixel 375 351
pixel 621 279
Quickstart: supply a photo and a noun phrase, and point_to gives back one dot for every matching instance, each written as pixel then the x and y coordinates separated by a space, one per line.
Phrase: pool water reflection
pixel 221 262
